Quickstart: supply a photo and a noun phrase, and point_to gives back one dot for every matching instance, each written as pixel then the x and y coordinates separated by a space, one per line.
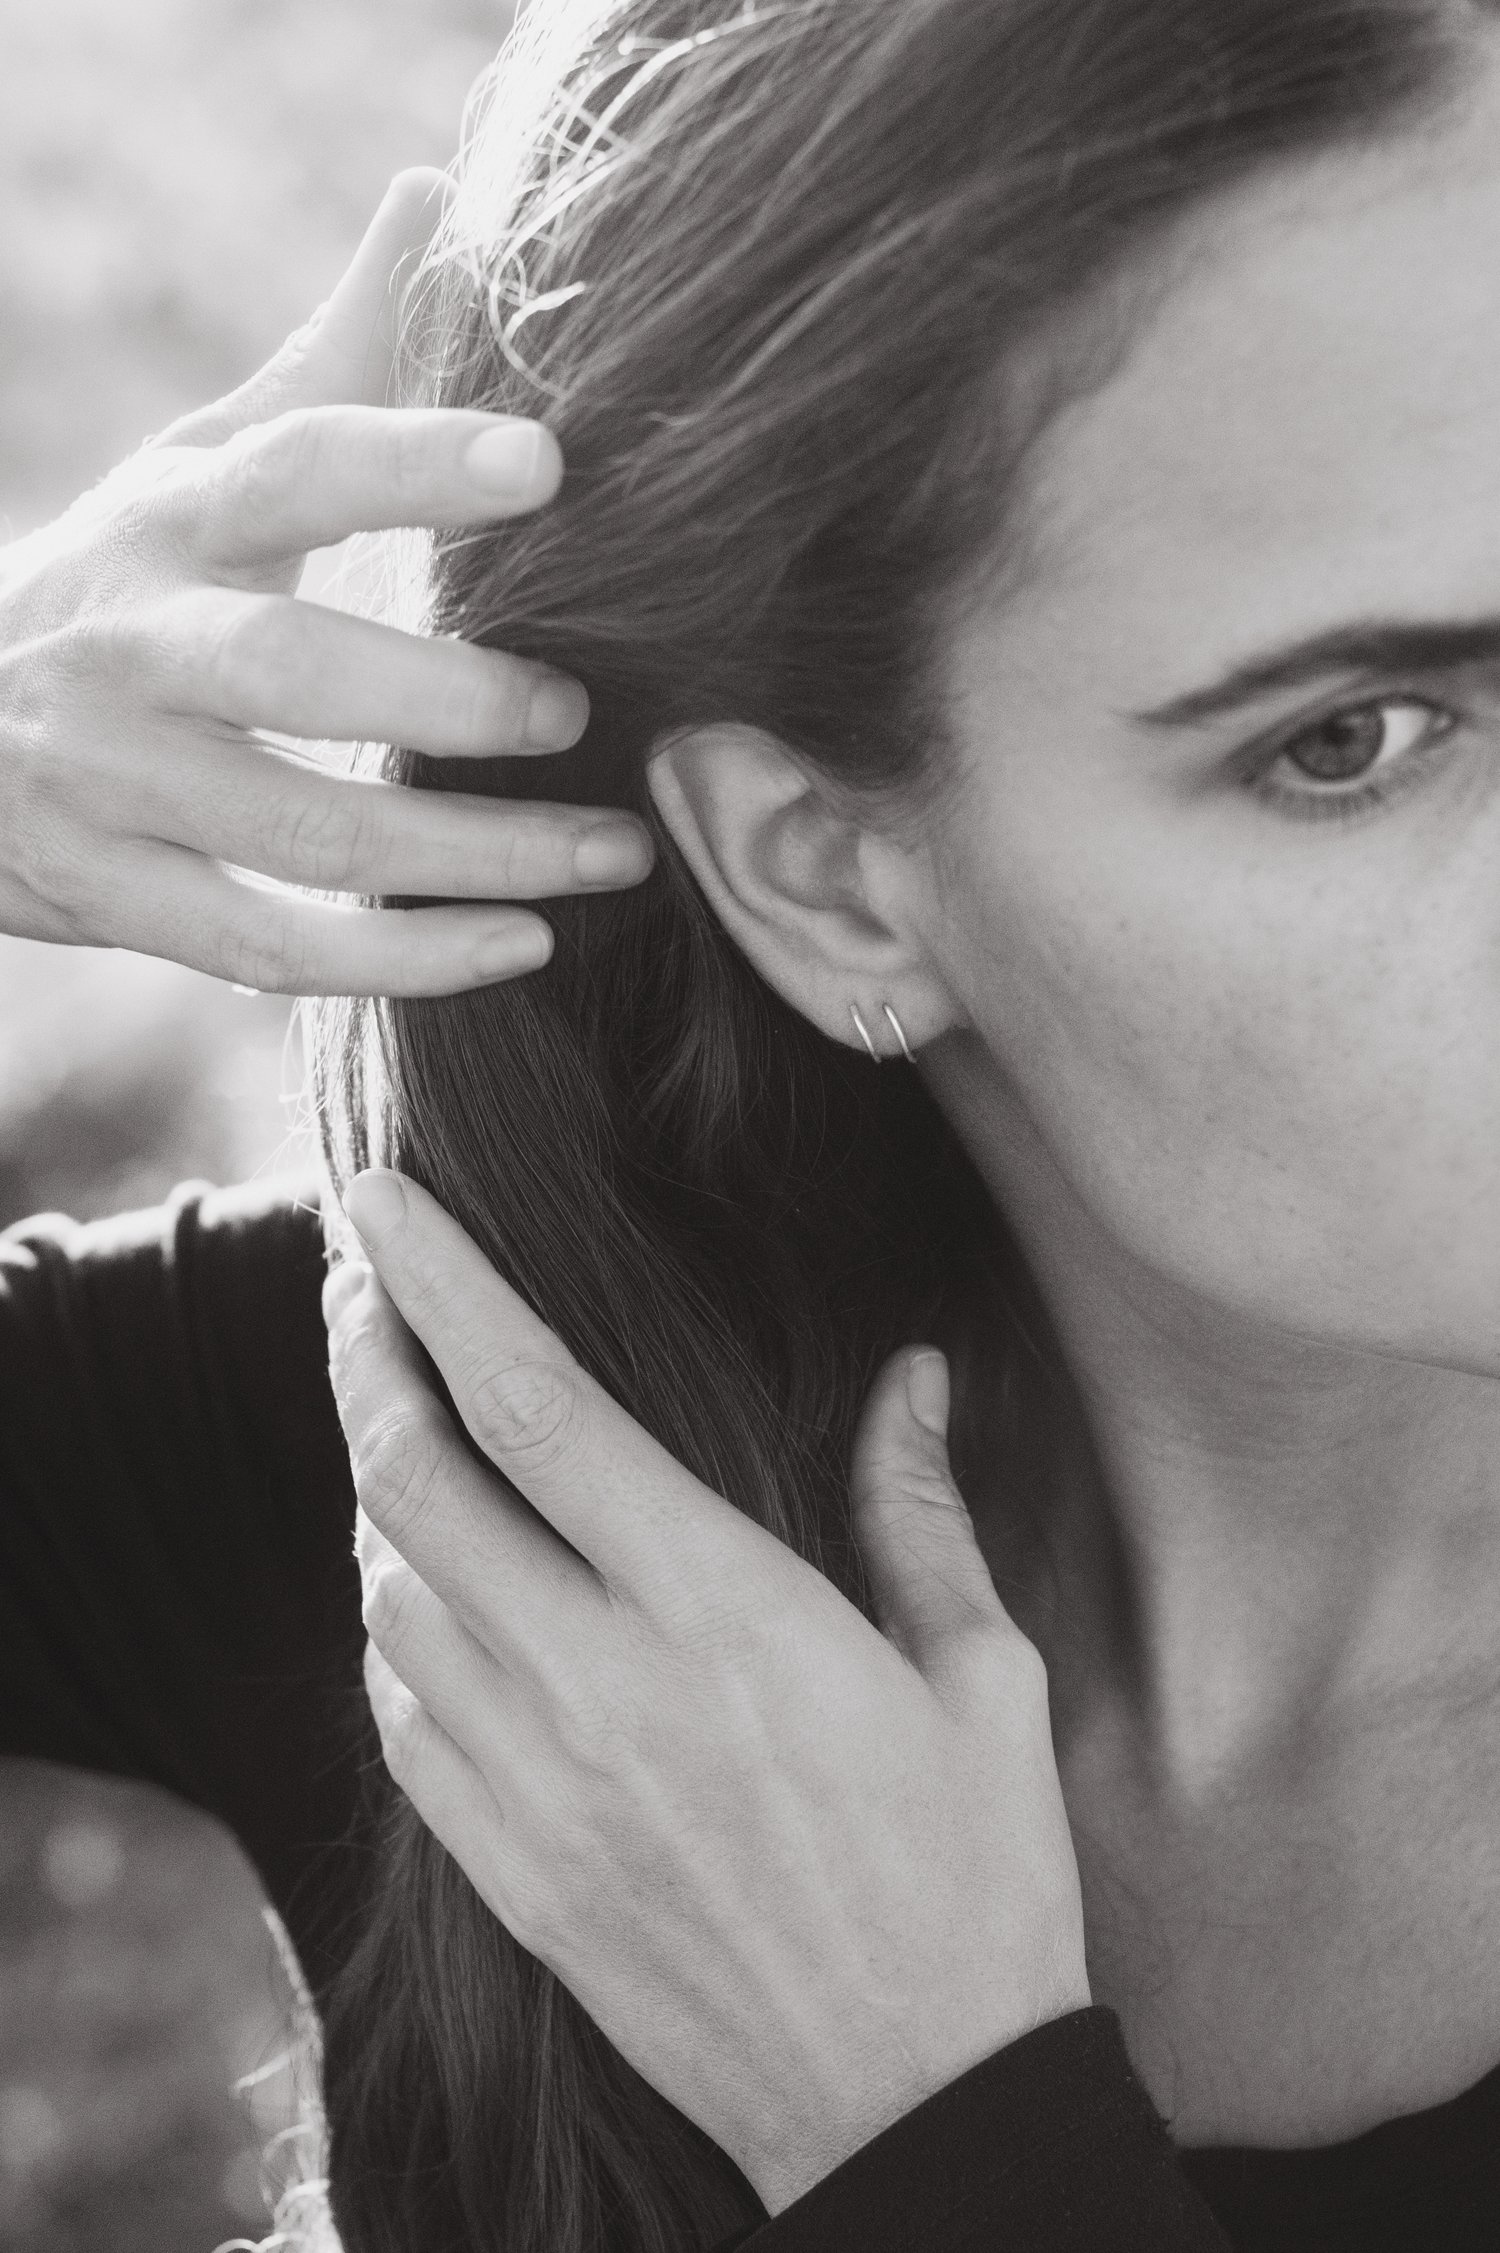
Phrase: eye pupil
pixel 1342 747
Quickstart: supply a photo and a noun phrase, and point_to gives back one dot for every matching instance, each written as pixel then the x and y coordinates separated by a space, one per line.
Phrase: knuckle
pixel 271 955
pixel 96 660
pixel 505 857
pixel 252 648
pixel 396 1471
pixel 227 657
pixel 145 659
pixel 411 462
pixel 498 699
pixel 913 1492
pixel 170 509
pixel 713 1630
pixel 391 1606
pixel 595 1726
pixel 1025 1666
pixel 320 838
pixel 466 703
pixel 267 392
pixel 55 869
pixel 128 522
pixel 534 1918
pixel 528 1415
pixel 45 849
pixel 271 463
pixel 396 1713
pixel 95 648
pixel 57 872
pixel 393 1609
pixel 996 1663
pixel 401 1739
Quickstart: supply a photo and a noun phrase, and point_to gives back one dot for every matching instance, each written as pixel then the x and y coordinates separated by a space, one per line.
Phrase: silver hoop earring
pixel 895 1024
pixel 863 1031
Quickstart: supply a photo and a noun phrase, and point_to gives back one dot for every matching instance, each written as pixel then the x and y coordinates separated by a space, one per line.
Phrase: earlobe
pixel 817 898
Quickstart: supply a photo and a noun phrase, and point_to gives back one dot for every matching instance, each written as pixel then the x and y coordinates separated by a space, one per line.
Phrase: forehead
pixel 1306 425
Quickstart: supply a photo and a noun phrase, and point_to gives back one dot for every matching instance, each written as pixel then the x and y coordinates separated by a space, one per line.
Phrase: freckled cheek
pixel 1289 1102
pixel 1146 1045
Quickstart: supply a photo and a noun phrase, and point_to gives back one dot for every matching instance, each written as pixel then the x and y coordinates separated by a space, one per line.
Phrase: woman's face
pixel 1218 889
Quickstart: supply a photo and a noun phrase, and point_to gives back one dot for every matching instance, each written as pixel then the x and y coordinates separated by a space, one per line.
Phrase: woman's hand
pixel 148 634
pixel 802 1873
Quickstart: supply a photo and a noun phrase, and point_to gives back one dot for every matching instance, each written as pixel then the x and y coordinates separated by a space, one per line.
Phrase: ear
pixel 825 905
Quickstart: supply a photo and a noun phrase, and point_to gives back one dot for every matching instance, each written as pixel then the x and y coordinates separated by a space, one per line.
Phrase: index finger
pixel 607 1486
pixel 345 353
pixel 481 1548
pixel 351 347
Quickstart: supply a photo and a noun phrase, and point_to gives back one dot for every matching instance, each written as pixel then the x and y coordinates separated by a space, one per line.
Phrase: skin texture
pixel 1230 1065
pixel 801 1870
pixel 1233 1073
pixel 1229 1061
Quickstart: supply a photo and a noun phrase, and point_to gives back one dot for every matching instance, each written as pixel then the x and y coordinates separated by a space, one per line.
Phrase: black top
pixel 179 1604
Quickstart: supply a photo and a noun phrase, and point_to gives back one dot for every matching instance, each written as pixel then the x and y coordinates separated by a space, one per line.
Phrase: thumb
pixel 916 1538
pixel 344 354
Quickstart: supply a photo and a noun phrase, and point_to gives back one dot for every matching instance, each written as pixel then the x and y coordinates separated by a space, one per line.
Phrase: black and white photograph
pixel 750 1126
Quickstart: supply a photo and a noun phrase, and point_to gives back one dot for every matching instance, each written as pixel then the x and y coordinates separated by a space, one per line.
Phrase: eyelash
pixel 1347 802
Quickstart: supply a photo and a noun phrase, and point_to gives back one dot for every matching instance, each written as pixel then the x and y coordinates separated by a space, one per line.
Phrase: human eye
pixel 1352 758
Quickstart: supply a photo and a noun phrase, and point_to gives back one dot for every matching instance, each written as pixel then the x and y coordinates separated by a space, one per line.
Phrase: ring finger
pixel 281 815
pixel 445 1788
pixel 507 1734
pixel 161 899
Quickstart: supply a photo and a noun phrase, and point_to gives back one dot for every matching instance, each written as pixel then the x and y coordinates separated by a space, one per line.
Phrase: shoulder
pixel 178 1598
pixel 260 1232
pixel 198 1317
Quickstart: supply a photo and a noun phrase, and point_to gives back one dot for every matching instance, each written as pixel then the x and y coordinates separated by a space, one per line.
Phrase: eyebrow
pixel 1384 646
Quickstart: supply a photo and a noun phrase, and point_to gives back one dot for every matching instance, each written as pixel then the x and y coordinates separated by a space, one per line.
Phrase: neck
pixel 1266 1541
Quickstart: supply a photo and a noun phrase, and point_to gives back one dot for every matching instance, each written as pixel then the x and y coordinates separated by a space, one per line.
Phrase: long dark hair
pixel 772 272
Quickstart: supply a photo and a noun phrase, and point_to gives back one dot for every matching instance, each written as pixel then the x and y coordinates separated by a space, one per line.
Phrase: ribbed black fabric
pixel 1050 2146
pixel 179 1604
pixel 179 1601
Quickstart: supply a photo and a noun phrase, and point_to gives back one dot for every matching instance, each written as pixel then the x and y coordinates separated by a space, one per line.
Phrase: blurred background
pixel 180 183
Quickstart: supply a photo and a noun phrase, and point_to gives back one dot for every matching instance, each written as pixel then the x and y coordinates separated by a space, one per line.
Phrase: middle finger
pixel 302 668
pixel 313 476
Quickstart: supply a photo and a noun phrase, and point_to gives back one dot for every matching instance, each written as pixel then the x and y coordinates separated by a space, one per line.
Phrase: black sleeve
pixel 179 1605
pixel 1049 2146
pixel 178 1599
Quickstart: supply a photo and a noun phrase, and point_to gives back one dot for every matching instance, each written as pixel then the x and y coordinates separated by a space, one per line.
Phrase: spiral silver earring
pixel 895 1024
pixel 863 1031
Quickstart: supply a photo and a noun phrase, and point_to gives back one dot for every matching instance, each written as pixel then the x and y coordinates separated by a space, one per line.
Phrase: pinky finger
pixel 442 1783
pixel 192 910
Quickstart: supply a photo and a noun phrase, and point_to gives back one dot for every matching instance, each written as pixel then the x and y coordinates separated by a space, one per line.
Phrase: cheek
pixel 1273 1080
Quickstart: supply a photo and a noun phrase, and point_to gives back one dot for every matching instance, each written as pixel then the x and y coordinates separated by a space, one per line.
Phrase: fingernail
pixel 506 462
pixel 558 713
pixel 343 1286
pixel 511 953
pixel 375 1203
pixel 611 854
pixel 927 1392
